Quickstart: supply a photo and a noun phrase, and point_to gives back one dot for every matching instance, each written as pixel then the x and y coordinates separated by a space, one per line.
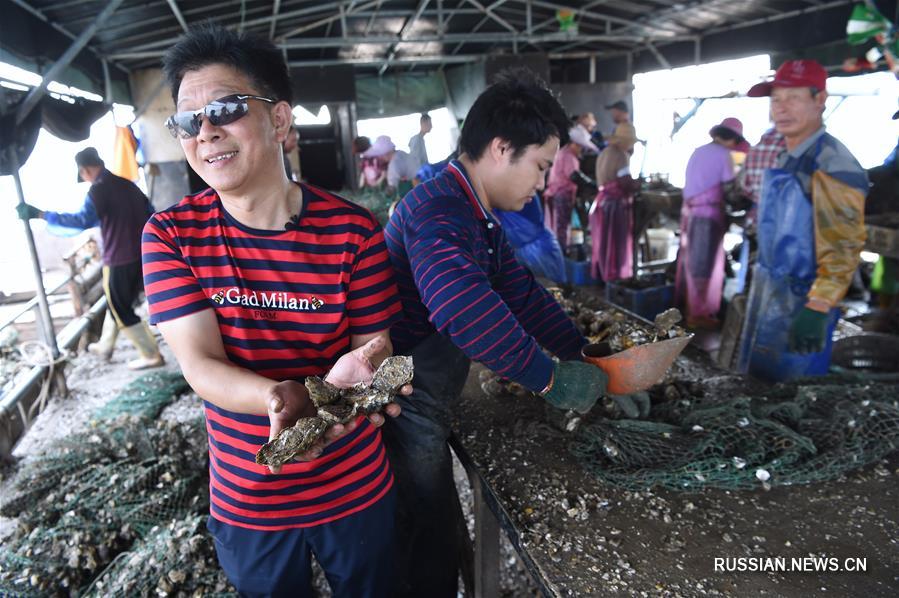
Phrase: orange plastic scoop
pixel 637 368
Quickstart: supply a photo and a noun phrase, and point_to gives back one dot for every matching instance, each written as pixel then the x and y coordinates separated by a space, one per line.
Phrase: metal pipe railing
pixel 33 302
pixel 67 339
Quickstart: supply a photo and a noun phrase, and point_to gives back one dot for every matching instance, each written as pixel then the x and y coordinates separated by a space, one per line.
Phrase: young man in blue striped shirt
pixel 464 298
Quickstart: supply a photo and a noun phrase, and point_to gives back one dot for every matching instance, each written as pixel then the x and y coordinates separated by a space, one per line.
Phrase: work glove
pixel 635 406
pixel 27 211
pixel 808 332
pixel 576 385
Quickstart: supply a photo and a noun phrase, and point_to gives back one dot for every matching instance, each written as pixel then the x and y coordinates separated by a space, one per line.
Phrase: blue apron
pixel 786 269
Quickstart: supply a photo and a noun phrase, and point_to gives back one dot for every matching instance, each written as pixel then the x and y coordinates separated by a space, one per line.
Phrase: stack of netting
pixel 95 498
pixel 145 397
pixel 375 200
pixel 699 436
pixel 175 559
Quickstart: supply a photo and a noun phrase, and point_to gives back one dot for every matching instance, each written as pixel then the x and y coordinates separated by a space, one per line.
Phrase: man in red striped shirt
pixel 251 306
pixel 465 297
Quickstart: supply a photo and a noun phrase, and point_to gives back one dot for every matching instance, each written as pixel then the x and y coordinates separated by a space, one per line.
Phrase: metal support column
pixel 45 321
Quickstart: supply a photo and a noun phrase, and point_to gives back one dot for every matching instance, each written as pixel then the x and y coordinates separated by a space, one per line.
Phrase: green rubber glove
pixel 576 385
pixel 808 332
pixel 27 211
pixel 634 406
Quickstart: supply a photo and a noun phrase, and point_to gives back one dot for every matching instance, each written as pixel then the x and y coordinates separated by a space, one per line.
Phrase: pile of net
pixel 375 200
pixel 721 433
pixel 145 397
pixel 114 511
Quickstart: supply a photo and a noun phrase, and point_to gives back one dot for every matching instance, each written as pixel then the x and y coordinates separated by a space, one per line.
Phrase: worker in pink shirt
pixel 561 190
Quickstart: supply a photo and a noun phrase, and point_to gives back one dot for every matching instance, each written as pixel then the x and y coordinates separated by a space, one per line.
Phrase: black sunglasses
pixel 222 111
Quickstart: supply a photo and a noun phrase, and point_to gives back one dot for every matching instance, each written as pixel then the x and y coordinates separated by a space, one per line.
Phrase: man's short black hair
pixel 209 44
pixel 424 116
pixel 517 108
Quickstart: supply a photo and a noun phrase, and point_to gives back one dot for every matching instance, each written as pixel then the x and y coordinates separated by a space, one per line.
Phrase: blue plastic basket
pixel 578 272
pixel 646 302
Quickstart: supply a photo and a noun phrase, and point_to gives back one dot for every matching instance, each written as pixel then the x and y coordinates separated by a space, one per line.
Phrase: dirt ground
pixel 589 540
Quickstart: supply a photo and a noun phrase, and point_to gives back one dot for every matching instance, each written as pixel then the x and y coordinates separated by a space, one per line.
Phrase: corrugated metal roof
pixel 379 35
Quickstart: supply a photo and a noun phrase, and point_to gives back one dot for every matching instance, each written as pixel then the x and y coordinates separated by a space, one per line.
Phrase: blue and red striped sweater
pixel 287 303
pixel 457 274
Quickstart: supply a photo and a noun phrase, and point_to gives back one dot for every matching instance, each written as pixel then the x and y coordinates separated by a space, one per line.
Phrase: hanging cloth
pixel 612 230
pixel 124 162
pixel 699 281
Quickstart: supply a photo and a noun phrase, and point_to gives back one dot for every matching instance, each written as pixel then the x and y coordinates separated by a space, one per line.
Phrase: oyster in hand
pixel 393 373
pixel 322 393
pixel 336 406
pixel 338 413
pixel 292 441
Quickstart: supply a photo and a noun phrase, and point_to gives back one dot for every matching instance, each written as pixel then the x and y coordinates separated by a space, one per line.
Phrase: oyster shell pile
pixel 623 333
pixel 336 406
pixel 615 327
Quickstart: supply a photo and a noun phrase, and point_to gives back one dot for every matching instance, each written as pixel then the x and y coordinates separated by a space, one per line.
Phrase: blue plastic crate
pixel 578 272
pixel 646 302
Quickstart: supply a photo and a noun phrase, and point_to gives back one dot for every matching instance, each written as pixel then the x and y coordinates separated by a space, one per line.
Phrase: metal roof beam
pixel 297 30
pixel 457 10
pixel 659 56
pixel 450 38
pixel 40 15
pixel 489 12
pixel 128 41
pixel 177 12
pixel 36 93
pixel 276 8
pixel 371 21
pixel 404 33
pixel 416 60
pixel 582 10
pixel 679 10
pixel 661 29
pixel 476 28
pixel 784 15
pixel 67 4
pixel 377 62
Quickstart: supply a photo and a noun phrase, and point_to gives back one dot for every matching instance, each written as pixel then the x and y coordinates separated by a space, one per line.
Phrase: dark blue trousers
pixel 356 553
pixel 429 519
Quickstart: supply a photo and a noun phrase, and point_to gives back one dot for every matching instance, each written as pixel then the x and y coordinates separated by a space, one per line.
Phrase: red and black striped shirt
pixel 287 303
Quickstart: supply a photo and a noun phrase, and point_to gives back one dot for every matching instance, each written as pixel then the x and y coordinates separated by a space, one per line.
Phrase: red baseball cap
pixel 793 73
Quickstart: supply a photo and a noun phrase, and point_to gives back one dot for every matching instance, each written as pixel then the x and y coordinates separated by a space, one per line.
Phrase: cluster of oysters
pixel 336 406
pixel 617 328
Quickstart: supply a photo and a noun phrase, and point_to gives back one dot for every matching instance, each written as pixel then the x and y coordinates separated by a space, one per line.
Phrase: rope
pixel 34 354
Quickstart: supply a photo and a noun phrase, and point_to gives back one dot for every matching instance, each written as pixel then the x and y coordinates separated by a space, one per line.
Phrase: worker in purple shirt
pixel 120 209
pixel 465 297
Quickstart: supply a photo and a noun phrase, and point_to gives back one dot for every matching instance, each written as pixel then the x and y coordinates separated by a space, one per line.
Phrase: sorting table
pixel 578 538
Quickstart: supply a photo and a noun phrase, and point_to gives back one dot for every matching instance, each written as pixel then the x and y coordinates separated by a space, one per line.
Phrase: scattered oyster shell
pixel 337 406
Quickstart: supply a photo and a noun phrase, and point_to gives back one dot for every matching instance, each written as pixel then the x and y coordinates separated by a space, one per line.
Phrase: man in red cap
pixel 810 233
